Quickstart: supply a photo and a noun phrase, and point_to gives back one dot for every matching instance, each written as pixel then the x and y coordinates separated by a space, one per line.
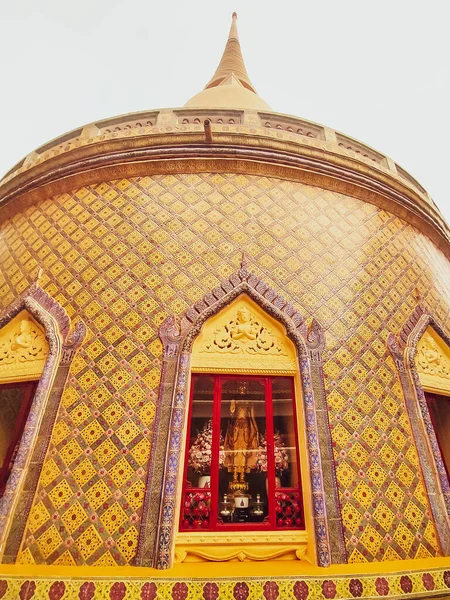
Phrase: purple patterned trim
pixel 148 532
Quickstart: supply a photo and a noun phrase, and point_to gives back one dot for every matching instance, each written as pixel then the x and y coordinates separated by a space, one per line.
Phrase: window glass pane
pixel 285 445
pixel 197 495
pixel 288 506
pixel 439 407
pixel 200 434
pixel 242 462
pixel 15 402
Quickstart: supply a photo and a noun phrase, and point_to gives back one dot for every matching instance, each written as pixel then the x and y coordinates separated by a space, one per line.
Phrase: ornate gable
pixel 242 338
pixel 23 349
pixel 433 362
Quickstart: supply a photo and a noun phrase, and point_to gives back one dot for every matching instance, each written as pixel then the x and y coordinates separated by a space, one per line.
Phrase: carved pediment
pixel 23 349
pixel 243 338
pixel 433 362
pixel 244 333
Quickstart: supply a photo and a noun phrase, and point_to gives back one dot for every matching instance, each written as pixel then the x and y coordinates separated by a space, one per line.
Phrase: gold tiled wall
pixel 123 255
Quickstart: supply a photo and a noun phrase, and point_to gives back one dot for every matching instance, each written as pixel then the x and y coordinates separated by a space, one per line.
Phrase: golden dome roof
pixel 244 135
pixel 230 86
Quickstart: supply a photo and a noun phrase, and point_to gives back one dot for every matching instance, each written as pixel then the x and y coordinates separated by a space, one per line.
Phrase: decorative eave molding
pixel 185 152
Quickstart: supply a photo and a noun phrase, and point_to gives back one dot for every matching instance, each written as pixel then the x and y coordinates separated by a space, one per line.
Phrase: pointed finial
pixel 232 62
pixel 230 86
pixel 243 271
pixel 39 277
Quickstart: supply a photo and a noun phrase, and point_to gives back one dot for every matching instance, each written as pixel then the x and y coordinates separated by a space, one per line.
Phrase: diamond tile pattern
pixel 123 255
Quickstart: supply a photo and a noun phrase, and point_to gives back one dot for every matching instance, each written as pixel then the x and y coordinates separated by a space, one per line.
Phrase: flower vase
pixel 204 481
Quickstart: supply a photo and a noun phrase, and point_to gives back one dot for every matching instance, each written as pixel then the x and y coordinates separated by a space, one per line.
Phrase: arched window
pixel 433 368
pixel 245 336
pixel 23 352
pixel 242 462
pixel 422 357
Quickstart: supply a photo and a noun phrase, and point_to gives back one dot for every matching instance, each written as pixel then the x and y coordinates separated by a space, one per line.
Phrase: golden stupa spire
pixel 230 86
pixel 232 62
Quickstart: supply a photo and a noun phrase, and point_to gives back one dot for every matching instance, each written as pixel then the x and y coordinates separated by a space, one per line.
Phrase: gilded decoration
pixel 251 546
pixel 433 362
pixel 349 264
pixel 23 349
pixel 243 339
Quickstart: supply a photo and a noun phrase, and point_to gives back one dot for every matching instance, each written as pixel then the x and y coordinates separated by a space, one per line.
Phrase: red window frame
pixel 282 497
pixel 432 400
pixel 19 426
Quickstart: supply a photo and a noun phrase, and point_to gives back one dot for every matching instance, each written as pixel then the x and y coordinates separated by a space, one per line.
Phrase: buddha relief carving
pixel 245 333
pixel 23 348
pixel 431 359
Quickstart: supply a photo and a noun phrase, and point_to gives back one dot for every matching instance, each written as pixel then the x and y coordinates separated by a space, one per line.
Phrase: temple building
pixel 224 361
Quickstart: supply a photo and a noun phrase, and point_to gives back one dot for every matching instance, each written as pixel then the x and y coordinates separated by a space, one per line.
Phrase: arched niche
pixel 44 328
pixel 23 352
pixel 156 546
pixel 422 356
pixel 432 362
pixel 243 345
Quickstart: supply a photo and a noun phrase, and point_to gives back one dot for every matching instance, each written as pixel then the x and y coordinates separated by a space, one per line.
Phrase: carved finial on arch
pixel 39 277
pixel 315 336
pixel 170 336
pixel 73 342
pixel 243 271
pixel 394 346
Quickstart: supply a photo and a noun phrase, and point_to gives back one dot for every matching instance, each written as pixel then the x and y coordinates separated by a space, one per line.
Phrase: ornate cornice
pixel 238 149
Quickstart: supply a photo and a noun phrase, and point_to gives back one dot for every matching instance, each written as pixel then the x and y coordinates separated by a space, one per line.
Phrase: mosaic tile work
pixel 416 584
pixel 123 255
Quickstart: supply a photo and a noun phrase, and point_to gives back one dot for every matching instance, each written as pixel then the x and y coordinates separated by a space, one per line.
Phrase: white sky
pixel 377 71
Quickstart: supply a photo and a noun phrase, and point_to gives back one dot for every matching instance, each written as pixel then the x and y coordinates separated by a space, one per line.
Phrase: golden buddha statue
pixel 241 442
